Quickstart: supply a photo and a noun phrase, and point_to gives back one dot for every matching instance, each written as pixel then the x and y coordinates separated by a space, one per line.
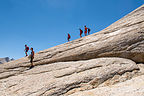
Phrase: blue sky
pixel 42 24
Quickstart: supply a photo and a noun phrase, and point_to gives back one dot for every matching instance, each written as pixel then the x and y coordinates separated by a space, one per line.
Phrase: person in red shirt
pixel 85 30
pixel 26 50
pixel 81 32
pixel 68 37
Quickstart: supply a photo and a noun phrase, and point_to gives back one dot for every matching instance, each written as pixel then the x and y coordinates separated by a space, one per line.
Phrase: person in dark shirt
pixel 31 58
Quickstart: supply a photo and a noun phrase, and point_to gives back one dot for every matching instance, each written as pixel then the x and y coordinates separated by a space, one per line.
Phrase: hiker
pixel 31 58
pixel 81 32
pixel 68 37
pixel 26 50
pixel 89 31
pixel 85 30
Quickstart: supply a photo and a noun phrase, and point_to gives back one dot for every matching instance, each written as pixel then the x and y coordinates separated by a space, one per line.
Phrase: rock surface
pixel 133 87
pixel 124 38
pixel 96 62
pixel 60 78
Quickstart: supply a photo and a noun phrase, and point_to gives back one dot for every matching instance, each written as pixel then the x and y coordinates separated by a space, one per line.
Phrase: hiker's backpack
pixel 88 29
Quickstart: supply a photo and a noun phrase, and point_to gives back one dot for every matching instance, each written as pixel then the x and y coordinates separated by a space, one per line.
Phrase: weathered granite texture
pixel 62 78
pixel 133 87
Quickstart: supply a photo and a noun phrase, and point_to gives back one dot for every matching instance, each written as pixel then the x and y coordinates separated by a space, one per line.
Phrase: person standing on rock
pixel 81 32
pixel 26 50
pixel 31 58
pixel 85 30
pixel 68 38
pixel 89 31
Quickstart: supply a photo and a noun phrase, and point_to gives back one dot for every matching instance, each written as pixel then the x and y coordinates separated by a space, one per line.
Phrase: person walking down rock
pixel 81 32
pixel 68 38
pixel 89 31
pixel 26 50
pixel 85 30
pixel 31 58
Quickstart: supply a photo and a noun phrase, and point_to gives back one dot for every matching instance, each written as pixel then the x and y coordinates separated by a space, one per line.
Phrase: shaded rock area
pixel 107 63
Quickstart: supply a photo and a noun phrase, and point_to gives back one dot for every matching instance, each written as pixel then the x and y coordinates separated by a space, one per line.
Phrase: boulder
pixel 124 38
pixel 61 78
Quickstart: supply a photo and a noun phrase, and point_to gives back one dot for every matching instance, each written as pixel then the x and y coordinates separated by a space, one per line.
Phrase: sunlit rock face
pixel 109 62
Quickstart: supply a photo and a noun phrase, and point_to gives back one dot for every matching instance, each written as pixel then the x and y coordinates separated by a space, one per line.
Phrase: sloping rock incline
pixel 124 38
pixel 133 87
pixel 82 64
pixel 62 78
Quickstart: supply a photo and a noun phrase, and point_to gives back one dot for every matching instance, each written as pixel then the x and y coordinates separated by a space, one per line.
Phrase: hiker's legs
pixel 88 32
pixel 32 64
pixel 85 33
pixel 80 34
pixel 26 53
pixel 68 39
pixel 31 61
